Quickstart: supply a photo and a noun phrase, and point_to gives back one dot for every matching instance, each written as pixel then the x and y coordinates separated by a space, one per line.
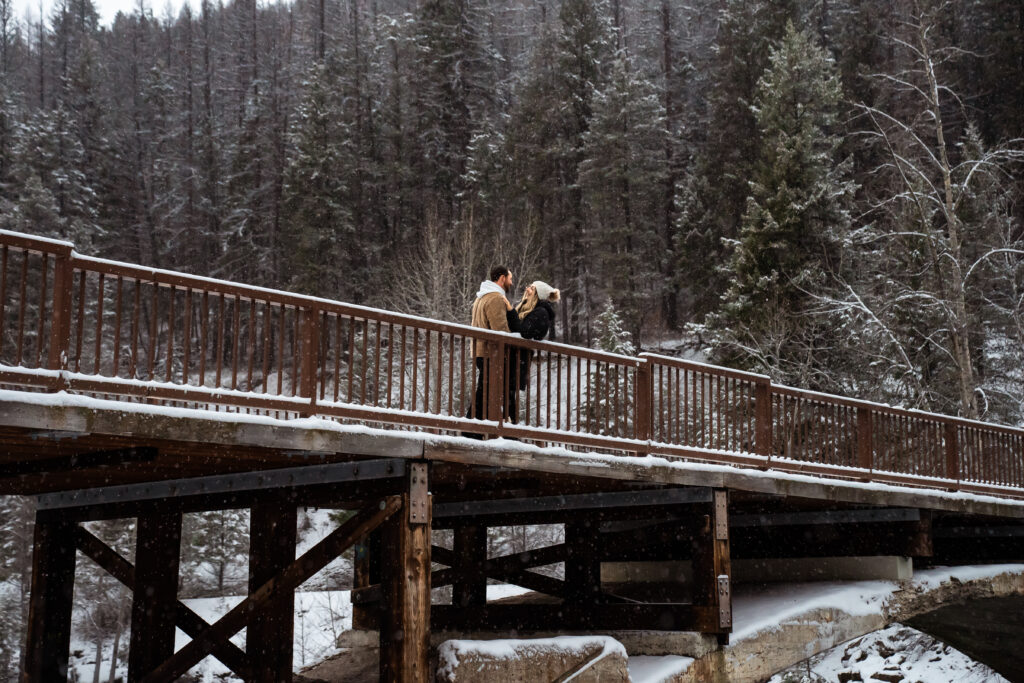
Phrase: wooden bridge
pixel 128 391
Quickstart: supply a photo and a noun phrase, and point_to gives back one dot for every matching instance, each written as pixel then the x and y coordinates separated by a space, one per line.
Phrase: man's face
pixel 505 282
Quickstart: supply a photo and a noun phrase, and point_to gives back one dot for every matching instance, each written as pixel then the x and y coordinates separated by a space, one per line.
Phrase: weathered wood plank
pixel 665 471
pixel 469 586
pixel 405 580
pixel 366 576
pixel 154 592
pixel 49 617
pixel 268 638
pixel 712 572
pixel 582 563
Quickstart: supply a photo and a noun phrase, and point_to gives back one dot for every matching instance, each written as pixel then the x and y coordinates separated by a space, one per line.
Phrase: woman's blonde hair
pixel 528 303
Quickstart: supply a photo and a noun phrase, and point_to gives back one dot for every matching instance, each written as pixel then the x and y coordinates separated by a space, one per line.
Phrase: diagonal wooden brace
pixel 188 621
pixel 296 573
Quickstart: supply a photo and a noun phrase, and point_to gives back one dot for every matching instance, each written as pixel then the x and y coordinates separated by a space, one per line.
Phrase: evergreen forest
pixel 822 190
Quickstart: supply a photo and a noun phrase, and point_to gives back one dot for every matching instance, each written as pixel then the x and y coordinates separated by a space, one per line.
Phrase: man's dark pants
pixel 479 408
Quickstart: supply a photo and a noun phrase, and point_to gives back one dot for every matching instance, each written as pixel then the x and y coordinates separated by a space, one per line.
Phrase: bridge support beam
pixel 366 573
pixel 712 570
pixel 49 617
pixel 269 637
pixel 582 563
pixel 405 579
pixel 469 585
pixel 155 592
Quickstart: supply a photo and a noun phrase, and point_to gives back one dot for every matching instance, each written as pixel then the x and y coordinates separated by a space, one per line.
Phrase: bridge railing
pixel 111 329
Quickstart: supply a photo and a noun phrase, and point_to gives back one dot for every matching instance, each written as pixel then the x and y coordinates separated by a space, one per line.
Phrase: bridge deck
pixel 50 443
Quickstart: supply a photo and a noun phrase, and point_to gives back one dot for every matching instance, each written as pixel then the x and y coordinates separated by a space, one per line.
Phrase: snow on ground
pixel 758 608
pixel 504 590
pixel 452 651
pixel 644 669
pixel 896 653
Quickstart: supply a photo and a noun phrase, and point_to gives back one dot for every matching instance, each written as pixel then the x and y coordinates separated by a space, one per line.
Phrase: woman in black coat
pixel 536 313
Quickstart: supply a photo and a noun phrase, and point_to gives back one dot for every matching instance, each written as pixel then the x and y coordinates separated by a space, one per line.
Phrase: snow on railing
pixel 92 326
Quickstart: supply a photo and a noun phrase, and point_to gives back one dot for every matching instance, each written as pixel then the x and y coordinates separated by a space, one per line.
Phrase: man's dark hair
pixel 497 272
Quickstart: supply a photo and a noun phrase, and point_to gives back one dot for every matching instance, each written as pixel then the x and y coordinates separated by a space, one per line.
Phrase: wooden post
pixel 952 456
pixel 920 544
pixel 865 447
pixel 763 419
pixel 712 572
pixel 49 616
pixel 644 419
pixel 272 537
pixel 494 382
pixel 366 573
pixel 582 563
pixel 310 356
pixel 60 325
pixel 469 586
pixel 155 593
pixel 405 619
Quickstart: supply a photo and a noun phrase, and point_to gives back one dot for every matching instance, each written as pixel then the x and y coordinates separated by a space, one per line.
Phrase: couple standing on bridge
pixel 533 318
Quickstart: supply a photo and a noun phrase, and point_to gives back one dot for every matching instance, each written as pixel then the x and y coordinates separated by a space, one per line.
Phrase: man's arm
pixel 512 318
pixel 494 311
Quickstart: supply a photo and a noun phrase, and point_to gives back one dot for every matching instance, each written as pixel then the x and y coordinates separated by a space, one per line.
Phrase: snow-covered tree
pixel 215 547
pixel 54 194
pixel 608 382
pixel 940 224
pixel 622 175
pixel 744 34
pixel 17 514
pixel 796 216
pixel 318 227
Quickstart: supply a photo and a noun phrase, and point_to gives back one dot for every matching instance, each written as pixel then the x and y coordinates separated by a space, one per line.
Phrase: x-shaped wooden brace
pixel 213 638
pixel 188 621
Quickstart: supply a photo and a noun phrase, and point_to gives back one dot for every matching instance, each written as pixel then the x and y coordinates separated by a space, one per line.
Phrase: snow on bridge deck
pixel 36 426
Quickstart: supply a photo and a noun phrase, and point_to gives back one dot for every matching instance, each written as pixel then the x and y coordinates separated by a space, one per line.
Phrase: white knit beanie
pixel 546 292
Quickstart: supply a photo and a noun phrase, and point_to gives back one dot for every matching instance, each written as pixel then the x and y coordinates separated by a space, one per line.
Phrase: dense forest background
pixel 822 190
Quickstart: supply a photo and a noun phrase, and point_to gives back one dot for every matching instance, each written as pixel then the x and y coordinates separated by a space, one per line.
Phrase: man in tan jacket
pixel 492 311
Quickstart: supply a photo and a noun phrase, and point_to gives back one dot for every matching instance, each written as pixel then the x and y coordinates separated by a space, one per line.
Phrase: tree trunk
pixel 113 655
pixel 958 318
pixel 99 660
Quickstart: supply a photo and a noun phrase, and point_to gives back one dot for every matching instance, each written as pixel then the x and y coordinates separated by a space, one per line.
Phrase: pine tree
pixel 215 547
pixel 585 46
pixel 798 212
pixel 746 31
pixel 8 107
pixel 610 334
pixel 622 176
pixel 569 63
pixel 318 222
pixel 608 382
pixel 54 194
pixel 457 82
